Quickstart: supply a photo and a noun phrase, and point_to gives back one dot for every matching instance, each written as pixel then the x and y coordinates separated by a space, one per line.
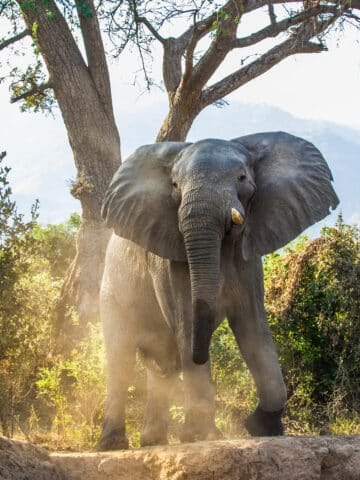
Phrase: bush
pixel 25 298
pixel 74 387
pixel 30 282
pixel 313 303
pixel 56 244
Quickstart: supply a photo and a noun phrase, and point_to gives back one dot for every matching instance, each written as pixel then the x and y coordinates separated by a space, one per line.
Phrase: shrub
pixel 313 303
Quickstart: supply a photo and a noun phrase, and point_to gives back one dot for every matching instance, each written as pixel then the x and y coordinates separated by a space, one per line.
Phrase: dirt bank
pixel 24 461
pixel 295 458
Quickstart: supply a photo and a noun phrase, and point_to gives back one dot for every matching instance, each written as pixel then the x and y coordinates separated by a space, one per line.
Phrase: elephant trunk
pixel 203 243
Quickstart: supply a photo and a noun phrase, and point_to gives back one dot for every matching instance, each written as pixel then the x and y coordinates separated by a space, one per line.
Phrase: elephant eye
pixel 241 178
pixel 174 184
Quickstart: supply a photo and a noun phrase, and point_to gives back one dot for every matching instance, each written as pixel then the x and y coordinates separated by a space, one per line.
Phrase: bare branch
pixel 150 27
pixel 4 5
pixel 298 43
pixel 352 16
pixel 274 29
pixel 228 18
pixel 174 49
pixel 256 4
pixel 271 12
pixel 36 90
pixel 14 39
pixel 191 37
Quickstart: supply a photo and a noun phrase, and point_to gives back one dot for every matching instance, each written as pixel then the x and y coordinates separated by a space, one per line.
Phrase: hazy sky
pixel 318 86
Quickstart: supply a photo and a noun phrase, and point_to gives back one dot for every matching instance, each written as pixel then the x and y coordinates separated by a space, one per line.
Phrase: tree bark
pixel 183 110
pixel 83 94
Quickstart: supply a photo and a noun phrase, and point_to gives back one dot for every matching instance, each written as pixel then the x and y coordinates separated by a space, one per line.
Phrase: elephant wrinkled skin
pixel 191 221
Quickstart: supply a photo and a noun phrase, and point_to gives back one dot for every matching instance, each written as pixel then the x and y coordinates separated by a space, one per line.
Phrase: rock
pixel 24 461
pixel 282 458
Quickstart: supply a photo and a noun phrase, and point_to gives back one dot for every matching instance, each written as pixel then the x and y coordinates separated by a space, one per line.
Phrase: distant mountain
pixel 339 145
pixel 43 164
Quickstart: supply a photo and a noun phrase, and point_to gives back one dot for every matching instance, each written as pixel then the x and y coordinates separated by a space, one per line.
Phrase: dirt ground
pixel 24 461
pixel 286 458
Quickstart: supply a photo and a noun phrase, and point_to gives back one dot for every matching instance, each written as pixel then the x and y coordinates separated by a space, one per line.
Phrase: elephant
pixel 191 222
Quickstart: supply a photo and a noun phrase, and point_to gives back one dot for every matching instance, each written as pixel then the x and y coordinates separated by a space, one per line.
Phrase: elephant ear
pixel 139 205
pixel 293 190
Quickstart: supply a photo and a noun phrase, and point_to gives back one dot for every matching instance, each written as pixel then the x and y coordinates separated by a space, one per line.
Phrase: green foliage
pixel 56 244
pixel 30 280
pixel 30 85
pixel 235 389
pixel 21 329
pixel 85 9
pixel 313 305
pixel 74 387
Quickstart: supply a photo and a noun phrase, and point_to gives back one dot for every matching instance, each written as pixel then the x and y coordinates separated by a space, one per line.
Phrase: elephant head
pixel 180 200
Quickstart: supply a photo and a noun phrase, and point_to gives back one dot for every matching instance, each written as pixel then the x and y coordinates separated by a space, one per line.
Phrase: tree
pixel 80 82
pixel 188 68
pixel 81 85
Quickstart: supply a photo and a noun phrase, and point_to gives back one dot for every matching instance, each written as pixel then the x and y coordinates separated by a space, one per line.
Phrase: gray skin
pixel 177 265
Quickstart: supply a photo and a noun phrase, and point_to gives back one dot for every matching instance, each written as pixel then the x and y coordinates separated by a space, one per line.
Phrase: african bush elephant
pixel 191 222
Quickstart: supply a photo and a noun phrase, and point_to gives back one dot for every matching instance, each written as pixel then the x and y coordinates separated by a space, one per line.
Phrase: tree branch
pixel 172 72
pixel 228 18
pixel 256 4
pixel 95 52
pixel 174 49
pixel 36 90
pixel 349 4
pixel 150 27
pixel 14 39
pixel 271 12
pixel 191 37
pixel 298 43
pixel 56 43
pixel 274 29
pixel 352 16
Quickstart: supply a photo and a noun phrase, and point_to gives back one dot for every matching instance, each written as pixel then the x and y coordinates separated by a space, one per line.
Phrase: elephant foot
pixel 264 424
pixel 148 438
pixel 215 434
pixel 199 425
pixel 191 434
pixel 114 440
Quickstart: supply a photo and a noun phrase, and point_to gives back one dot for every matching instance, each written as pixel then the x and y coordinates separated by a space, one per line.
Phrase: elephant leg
pixel 156 418
pixel 253 336
pixel 199 404
pixel 121 350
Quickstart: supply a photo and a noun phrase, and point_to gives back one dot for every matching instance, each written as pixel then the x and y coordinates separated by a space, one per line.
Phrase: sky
pixel 318 86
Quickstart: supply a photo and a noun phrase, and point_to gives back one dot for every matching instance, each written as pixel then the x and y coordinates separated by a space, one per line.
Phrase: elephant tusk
pixel 236 217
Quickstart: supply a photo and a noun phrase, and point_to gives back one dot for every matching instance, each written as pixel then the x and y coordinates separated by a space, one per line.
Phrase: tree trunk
pixel 95 142
pixel 184 106
pixel 83 94
pixel 177 124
